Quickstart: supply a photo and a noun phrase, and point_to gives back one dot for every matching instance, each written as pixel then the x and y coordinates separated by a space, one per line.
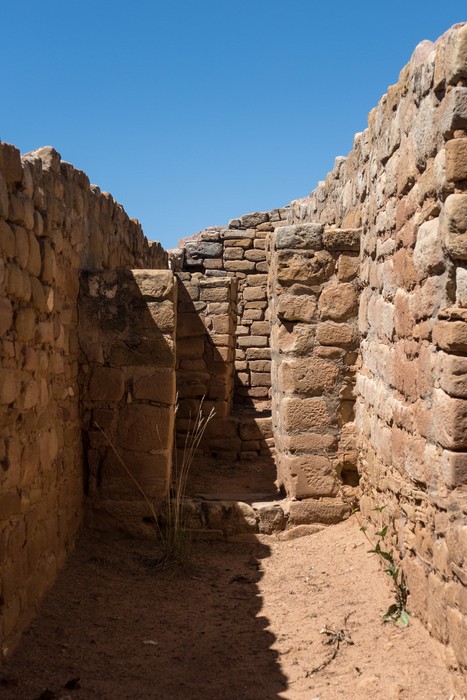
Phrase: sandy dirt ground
pixel 244 622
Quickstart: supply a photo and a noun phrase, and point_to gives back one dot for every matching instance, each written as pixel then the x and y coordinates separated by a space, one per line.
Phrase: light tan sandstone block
pixel 331 333
pixel 239 265
pixel 303 267
pixel 454 111
pixel 347 267
pixel 450 420
pixel 305 414
pixel 307 376
pixel 454 467
pixel 295 308
pixel 455 59
pixel 310 476
pixel 308 442
pixel 454 225
pixel 451 335
pixel 453 374
pixel 456 159
pixel 254 293
pixel 326 511
pixel 308 235
pixel 338 302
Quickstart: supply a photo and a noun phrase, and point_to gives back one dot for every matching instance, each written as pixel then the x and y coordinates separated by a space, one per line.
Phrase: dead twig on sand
pixel 336 637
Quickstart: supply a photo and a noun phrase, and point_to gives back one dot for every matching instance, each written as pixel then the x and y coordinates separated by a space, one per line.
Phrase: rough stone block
pixel 318 511
pixel 106 384
pixel 454 468
pixel 338 302
pixel 295 308
pixel 342 239
pixel 428 256
pixel 252 341
pixel 151 471
pixel 456 159
pixel 331 333
pixel 305 414
pixel 450 420
pixel 25 324
pixel 308 442
pixel 143 427
pixel 450 335
pixel 6 315
pixel 299 236
pixel 239 265
pixel 347 267
pixel 198 250
pixel 10 159
pixel 454 226
pixel 453 374
pixel 457 625
pixel 250 220
pixel 307 376
pixel 454 110
pixel 456 56
pixel 7 240
pixel 308 475
pixel 304 267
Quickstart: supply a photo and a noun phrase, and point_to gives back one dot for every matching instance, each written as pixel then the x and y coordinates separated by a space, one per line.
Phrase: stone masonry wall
pixel 242 428
pixel 53 223
pixel 238 251
pixel 127 322
pixel 405 185
pixel 314 303
pixel 207 317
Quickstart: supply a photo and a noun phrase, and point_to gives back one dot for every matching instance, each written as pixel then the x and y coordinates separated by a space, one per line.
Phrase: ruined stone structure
pixel 330 335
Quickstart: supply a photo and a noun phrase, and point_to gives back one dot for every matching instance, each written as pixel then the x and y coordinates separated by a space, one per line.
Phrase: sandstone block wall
pixel 207 316
pixel 314 304
pixel 238 251
pixel 405 185
pixel 127 323
pixel 53 223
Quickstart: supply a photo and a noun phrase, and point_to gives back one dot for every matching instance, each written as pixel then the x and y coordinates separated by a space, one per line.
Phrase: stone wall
pixel 314 303
pixel 127 322
pixel 238 251
pixel 401 198
pixel 405 185
pixel 207 317
pixel 53 223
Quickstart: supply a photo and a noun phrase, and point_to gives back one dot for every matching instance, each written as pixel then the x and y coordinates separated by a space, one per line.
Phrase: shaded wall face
pixel 405 183
pixel 314 302
pixel 127 322
pixel 52 224
pixel 207 316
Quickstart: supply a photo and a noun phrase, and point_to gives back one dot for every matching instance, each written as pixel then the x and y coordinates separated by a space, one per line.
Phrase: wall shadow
pixel 143 633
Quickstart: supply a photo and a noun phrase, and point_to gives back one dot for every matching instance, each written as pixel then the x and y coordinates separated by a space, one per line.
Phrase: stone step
pixel 236 514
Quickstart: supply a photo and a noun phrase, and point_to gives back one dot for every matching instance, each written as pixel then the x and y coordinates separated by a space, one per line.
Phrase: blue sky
pixel 194 112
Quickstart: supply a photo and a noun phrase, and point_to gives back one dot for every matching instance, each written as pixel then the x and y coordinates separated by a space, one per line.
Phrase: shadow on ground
pixel 126 630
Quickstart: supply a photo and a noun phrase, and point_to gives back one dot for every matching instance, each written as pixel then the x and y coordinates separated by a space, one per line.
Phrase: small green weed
pixel 396 613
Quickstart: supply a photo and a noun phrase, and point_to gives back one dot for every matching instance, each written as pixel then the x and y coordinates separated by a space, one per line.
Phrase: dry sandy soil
pixel 244 622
